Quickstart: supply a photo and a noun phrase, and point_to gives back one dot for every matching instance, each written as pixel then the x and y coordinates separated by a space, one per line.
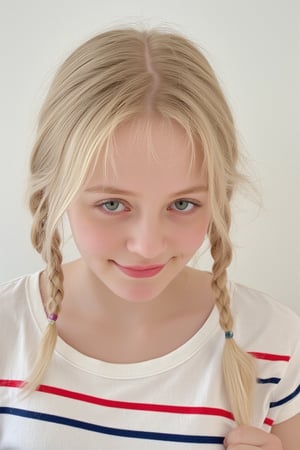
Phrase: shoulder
pixel 251 301
pixel 19 299
pixel 14 286
pixel 13 293
pixel 9 288
pixel 19 330
pixel 261 317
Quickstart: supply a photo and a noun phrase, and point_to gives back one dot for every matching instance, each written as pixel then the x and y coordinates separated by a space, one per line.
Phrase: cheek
pixel 91 237
pixel 192 237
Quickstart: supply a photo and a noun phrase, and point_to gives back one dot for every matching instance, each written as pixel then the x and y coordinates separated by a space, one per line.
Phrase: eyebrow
pixel 117 191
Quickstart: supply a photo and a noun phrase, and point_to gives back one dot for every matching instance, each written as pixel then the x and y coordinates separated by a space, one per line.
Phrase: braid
pixel 55 276
pixel 39 210
pixel 53 258
pixel 238 366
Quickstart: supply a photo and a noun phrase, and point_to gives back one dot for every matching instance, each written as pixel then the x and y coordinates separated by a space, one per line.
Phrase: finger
pixel 251 436
pixel 245 435
pixel 242 447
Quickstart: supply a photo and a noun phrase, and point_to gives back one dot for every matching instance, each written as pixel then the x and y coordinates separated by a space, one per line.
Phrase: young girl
pixel 128 346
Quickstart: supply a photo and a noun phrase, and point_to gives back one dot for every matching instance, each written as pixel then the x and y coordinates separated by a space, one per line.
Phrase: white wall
pixel 254 48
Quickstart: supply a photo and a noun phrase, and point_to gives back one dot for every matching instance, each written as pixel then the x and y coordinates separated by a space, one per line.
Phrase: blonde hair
pixel 116 76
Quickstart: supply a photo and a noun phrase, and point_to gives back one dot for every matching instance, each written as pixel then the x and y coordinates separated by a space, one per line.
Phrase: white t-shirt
pixel 177 401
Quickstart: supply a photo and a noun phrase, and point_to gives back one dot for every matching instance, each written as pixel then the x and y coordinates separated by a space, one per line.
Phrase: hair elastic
pixel 228 334
pixel 52 318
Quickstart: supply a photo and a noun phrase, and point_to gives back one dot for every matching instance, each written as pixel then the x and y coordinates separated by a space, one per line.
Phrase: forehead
pixel 146 148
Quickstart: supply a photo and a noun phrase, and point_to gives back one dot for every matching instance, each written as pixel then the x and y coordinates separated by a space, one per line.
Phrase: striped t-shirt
pixel 176 401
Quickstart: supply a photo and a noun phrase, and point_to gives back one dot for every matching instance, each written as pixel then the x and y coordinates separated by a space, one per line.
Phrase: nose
pixel 147 238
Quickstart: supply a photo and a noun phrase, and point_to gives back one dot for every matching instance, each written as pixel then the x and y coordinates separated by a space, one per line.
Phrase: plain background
pixel 254 47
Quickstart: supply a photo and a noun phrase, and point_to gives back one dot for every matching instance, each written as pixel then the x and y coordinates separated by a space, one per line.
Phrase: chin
pixel 138 295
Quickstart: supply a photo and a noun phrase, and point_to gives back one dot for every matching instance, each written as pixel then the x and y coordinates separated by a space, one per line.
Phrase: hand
pixel 250 438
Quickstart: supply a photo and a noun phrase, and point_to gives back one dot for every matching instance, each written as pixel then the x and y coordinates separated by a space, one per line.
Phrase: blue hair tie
pixel 228 334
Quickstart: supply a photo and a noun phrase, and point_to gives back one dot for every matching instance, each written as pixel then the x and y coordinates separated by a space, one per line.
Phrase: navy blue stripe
pixel 113 431
pixel 286 399
pixel 272 380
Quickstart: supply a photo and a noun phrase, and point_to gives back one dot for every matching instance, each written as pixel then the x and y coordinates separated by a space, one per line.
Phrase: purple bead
pixel 52 317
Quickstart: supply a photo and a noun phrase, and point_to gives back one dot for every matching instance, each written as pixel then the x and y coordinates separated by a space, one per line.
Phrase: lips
pixel 140 271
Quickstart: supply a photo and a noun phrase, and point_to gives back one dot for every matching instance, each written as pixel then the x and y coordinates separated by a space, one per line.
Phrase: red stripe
pixel 270 356
pixel 268 421
pixel 11 383
pixel 202 410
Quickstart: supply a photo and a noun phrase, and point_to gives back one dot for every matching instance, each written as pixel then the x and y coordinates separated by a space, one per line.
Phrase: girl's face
pixel 139 220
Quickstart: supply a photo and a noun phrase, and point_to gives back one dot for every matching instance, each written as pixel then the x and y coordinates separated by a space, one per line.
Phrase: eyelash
pixel 113 213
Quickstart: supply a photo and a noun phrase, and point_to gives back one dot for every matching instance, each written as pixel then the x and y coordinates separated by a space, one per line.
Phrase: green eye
pixel 112 206
pixel 184 205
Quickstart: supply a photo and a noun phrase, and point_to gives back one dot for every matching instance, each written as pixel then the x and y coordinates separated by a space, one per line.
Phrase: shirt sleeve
pixel 286 397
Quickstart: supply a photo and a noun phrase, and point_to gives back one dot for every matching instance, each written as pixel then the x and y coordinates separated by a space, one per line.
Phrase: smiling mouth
pixel 140 271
